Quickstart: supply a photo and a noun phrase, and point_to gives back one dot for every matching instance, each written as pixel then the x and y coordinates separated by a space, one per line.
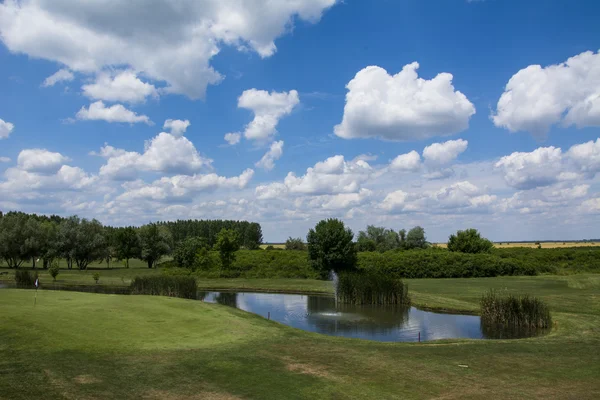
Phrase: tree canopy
pixel 330 247
pixel 469 241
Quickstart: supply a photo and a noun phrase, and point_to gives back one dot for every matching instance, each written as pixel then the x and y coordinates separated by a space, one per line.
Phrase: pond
pixel 321 314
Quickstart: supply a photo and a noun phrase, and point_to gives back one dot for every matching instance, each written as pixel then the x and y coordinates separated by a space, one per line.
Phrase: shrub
pixel 25 279
pixel 165 285
pixel 96 276
pixel 521 311
pixel 270 247
pixel 295 244
pixel 227 244
pixel 469 241
pixel 439 263
pixel 370 288
pixel 54 269
pixel 186 251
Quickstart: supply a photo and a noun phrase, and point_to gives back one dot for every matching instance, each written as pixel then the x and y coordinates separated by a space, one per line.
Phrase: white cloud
pixel 62 75
pixel 125 86
pixel 171 41
pixel 40 160
pixel 406 162
pixel 165 153
pixel 537 97
pixel 333 176
pixel 4 159
pixel 541 167
pixel 182 187
pixel 439 154
pixel 5 129
pixel 403 106
pixel 233 138
pixel 117 113
pixel 456 198
pixel 586 156
pixel 268 109
pixel 275 152
pixel 590 206
pixel 177 126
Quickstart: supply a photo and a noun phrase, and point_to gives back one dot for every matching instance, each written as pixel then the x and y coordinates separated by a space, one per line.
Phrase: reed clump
pixel 164 285
pixel 371 288
pixel 519 311
pixel 25 279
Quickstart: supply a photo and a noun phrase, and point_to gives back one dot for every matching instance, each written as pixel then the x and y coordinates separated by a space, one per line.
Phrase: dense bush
pixel 509 310
pixel 555 261
pixel 165 285
pixel 370 288
pixel 25 279
pixel 469 241
pixel 256 264
pixel 437 263
pixel 294 244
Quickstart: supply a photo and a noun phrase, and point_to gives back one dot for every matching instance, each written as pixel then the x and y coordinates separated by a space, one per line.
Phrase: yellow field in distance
pixel 545 245
pixel 277 246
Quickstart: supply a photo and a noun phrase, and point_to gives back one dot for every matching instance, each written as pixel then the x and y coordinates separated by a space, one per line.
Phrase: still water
pixel 321 314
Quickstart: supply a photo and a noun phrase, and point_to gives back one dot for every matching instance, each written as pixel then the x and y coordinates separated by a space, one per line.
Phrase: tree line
pixel 80 241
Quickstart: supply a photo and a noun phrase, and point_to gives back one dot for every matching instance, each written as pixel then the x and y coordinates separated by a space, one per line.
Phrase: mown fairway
pixel 76 345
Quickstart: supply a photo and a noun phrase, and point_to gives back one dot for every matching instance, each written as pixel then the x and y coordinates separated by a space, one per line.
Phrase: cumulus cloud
pixel 172 42
pixel 439 154
pixel 590 206
pixel 541 167
pixel 333 176
pixel 62 75
pixel 182 187
pixel 165 153
pixel 459 197
pixel 40 160
pixel 586 157
pixel 4 159
pixel 125 86
pixel 233 138
pixel 536 97
pixel 402 107
pixel 275 152
pixel 176 126
pixel 116 113
pixel 268 109
pixel 406 162
pixel 5 129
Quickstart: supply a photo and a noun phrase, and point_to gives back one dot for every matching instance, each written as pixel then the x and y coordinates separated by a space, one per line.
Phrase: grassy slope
pixel 75 345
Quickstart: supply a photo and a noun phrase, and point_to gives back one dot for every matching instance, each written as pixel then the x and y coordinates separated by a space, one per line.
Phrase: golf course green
pixel 84 346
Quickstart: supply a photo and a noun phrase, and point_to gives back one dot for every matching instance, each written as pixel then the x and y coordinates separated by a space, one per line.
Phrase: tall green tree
pixel 90 243
pixel 227 244
pixel 13 235
pixel 469 241
pixel 415 238
pixel 295 244
pixel 128 244
pixel 155 242
pixel 330 247
pixel 67 239
pixel 377 238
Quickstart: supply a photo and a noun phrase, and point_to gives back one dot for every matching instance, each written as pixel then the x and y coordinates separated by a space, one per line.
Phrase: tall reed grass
pixel 519 311
pixel 25 279
pixel 370 288
pixel 164 285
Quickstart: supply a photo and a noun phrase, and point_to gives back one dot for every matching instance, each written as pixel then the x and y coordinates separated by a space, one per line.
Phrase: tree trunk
pixel 150 264
pixel 46 262
pixel 33 262
pixel 127 263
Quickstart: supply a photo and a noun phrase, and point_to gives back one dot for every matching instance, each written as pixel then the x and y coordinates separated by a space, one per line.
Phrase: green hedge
pixel 441 264
pixel 429 263
pixel 258 264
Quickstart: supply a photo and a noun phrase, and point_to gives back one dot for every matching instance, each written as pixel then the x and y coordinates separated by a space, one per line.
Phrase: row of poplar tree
pixel 80 241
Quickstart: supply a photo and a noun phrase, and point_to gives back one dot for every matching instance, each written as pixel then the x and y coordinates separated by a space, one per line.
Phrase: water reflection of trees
pixel 227 299
pixel 499 331
pixel 329 317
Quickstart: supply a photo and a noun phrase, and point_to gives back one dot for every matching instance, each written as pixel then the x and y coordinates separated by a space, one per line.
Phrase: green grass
pixel 80 345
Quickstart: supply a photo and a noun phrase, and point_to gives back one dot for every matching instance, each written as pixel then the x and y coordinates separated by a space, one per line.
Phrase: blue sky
pixel 517 161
